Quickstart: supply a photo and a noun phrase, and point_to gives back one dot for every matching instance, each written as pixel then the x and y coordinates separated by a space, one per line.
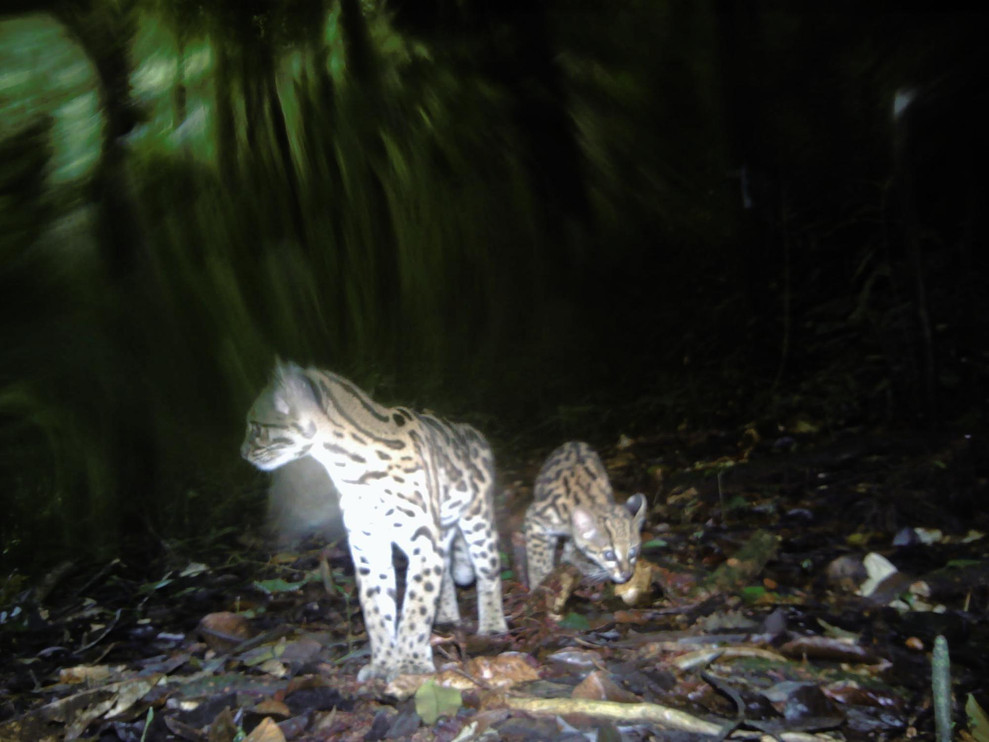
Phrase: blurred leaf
pixel 278 585
pixel 434 701
pixel 753 593
pixel 978 721
pixel 150 587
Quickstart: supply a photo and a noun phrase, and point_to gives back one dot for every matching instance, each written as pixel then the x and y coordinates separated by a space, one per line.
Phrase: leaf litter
pixel 791 591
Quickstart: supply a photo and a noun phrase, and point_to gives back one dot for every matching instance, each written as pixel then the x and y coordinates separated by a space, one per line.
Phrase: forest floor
pixel 764 606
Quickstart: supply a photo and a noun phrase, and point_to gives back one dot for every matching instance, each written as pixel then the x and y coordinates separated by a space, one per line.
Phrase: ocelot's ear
pixel 286 369
pixel 583 524
pixel 294 388
pixel 636 506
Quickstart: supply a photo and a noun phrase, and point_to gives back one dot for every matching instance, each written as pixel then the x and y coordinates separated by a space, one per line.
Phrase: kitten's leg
pixel 567 555
pixel 572 555
pixel 477 527
pixel 376 590
pixel 540 548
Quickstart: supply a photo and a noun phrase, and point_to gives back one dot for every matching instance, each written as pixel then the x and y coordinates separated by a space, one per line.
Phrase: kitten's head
pixel 609 537
pixel 281 424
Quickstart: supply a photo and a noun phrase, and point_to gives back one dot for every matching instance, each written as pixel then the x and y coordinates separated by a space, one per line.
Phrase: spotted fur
pixel 404 478
pixel 573 500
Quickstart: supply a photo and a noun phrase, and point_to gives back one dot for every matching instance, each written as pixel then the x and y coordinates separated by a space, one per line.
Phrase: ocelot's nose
pixel 623 576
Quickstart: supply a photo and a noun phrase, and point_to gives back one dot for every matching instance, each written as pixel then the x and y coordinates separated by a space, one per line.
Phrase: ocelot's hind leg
pixel 454 573
pixel 478 531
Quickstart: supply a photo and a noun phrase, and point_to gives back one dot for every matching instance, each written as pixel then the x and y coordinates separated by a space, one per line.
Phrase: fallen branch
pixel 644 713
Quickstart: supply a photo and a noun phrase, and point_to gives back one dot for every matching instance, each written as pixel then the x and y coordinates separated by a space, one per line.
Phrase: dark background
pixel 550 219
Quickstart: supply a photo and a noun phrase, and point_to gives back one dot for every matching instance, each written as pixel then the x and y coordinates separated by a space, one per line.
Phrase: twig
pixel 98 576
pixel 941 686
pixel 641 712
pixel 736 698
pixel 721 500
pixel 264 637
pixel 102 634
pixel 476 681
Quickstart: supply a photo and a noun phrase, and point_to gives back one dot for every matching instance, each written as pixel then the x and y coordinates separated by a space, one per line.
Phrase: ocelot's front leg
pixel 540 549
pixel 424 580
pixel 376 590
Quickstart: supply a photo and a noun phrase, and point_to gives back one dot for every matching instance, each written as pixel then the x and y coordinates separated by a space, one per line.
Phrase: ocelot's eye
pixel 633 552
pixel 609 556
pixel 259 433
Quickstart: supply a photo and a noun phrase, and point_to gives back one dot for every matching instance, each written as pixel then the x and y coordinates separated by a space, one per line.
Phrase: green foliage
pixel 148 718
pixel 279 585
pixel 753 593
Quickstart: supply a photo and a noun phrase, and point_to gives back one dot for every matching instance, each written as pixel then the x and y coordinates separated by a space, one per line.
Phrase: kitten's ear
pixel 583 523
pixel 636 506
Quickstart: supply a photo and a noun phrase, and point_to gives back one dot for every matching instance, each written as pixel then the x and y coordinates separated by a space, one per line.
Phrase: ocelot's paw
pixel 389 673
pixel 447 615
pixel 375 672
pixel 416 667
pixel 496 625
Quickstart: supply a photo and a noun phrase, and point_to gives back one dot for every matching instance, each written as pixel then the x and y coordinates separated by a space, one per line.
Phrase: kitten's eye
pixel 609 555
pixel 633 552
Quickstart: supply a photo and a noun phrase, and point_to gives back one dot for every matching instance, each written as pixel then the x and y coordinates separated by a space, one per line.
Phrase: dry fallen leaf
pixel 404 686
pixel 222 631
pixel 504 671
pixel 878 568
pixel 575 658
pixel 598 686
pixel 85 673
pixel 271 707
pixel 828 649
pixel 266 731
pixel 846 573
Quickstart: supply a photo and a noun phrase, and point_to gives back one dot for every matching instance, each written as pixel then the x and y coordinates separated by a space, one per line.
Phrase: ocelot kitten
pixel 404 478
pixel 573 499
